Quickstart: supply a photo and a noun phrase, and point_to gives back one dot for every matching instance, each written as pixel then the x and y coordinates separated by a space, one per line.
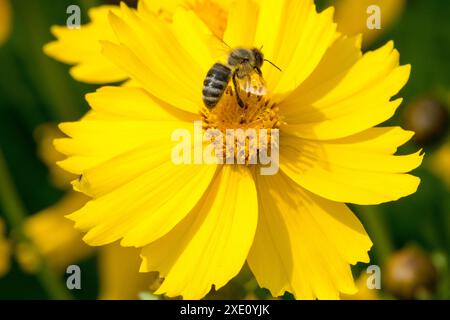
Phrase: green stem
pixel 374 221
pixel 16 215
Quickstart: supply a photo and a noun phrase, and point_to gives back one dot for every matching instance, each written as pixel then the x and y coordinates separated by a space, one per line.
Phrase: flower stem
pixel 373 219
pixel 16 214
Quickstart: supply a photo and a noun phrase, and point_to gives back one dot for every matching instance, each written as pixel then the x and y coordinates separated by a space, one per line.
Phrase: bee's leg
pixel 258 71
pixel 236 89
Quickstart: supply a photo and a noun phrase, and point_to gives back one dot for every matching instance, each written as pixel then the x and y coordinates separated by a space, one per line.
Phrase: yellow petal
pixel 294 37
pixel 210 245
pixel 340 57
pixel 93 142
pixel 304 244
pixel 135 198
pixel 151 54
pixel 120 278
pixel 195 37
pixel 350 170
pixel 166 7
pixel 77 164
pixel 354 102
pixel 134 103
pixel 380 140
pixel 44 135
pixel 212 12
pixel 81 47
pixel 242 22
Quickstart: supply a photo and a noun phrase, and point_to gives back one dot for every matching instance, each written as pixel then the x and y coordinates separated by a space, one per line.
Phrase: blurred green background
pixel 410 235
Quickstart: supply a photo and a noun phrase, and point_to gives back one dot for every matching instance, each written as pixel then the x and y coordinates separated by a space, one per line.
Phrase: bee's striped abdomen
pixel 215 83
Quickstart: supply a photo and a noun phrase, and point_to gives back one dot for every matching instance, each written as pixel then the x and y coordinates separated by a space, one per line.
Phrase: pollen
pixel 259 116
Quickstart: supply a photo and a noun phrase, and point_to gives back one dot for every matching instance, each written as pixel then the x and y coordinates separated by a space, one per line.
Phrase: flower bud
pixel 409 274
pixel 429 119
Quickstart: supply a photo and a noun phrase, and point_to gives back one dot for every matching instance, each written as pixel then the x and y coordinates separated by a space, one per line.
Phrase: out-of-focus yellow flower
pixel 198 224
pixel 119 273
pixel 364 292
pixel 5 20
pixel 81 47
pixel 351 16
pixel 53 236
pixel 44 136
pixel 440 162
pixel 5 250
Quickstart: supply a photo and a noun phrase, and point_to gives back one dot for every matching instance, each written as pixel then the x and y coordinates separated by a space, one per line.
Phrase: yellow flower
pixel 5 250
pixel 5 20
pixel 352 15
pixel 198 224
pixel 54 237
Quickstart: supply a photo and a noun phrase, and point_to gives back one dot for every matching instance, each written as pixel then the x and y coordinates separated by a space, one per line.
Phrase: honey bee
pixel 242 66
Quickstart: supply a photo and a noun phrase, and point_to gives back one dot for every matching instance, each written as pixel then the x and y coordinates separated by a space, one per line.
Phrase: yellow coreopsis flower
pixel 198 224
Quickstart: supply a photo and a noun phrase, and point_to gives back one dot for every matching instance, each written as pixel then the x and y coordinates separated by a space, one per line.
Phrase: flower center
pixel 256 119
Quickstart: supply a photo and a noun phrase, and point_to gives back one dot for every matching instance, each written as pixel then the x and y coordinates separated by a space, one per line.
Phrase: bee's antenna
pixel 273 64
pixel 221 40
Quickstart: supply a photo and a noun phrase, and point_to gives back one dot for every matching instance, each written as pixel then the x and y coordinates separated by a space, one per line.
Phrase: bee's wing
pixel 253 84
pixel 219 49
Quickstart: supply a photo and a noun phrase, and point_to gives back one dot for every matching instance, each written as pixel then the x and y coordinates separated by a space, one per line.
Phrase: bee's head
pixel 259 57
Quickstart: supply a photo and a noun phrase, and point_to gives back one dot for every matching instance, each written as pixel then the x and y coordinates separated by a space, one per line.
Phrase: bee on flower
pixel 198 224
